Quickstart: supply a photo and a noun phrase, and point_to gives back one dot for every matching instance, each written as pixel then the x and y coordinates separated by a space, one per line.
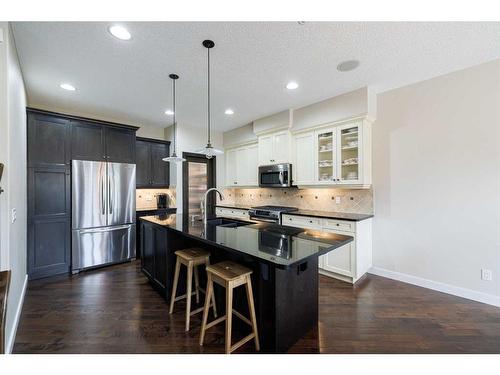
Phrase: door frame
pixel 211 179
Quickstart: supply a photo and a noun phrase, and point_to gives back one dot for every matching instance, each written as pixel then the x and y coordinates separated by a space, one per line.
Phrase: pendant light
pixel 209 151
pixel 174 158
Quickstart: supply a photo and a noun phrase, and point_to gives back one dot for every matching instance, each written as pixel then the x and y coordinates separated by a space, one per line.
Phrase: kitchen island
pixel 284 261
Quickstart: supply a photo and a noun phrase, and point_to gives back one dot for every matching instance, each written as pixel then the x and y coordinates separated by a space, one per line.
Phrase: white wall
pixel 352 104
pixel 243 134
pixel 151 132
pixel 273 122
pixel 13 155
pixel 192 139
pixel 436 182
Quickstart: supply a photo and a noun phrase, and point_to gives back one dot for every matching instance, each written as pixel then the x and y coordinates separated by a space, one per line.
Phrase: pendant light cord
pixel 208 68
pixel 175 124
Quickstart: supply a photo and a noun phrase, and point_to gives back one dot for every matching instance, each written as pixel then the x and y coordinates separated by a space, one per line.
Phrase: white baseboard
pixel 12 336
pixel 435 285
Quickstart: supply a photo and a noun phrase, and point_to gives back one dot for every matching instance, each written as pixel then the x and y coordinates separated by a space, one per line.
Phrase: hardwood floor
pixel 114 310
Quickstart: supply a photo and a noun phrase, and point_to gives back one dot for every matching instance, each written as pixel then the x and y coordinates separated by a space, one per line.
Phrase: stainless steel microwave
pixel 278 175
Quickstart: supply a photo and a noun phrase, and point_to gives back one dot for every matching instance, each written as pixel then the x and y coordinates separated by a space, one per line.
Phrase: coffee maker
pixel 162 200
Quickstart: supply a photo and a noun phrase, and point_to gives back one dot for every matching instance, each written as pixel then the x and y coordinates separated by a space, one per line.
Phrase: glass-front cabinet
pixel 336 155
pixel 326 156
pixel 349 153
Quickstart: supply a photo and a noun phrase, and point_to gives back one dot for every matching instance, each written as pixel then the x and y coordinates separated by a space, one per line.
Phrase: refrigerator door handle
pixel 103 201
pixel 110 198
pixel 107 229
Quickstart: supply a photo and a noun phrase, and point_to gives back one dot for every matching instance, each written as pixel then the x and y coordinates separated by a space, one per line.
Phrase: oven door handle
pixel 262 219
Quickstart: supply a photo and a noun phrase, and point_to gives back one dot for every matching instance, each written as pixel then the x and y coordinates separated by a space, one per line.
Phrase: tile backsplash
pixel 321 199
pixel 146 198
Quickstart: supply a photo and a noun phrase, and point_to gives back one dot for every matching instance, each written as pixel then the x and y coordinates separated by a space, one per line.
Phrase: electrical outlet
pixel 337 200
pixel 486 275
pixel 13 215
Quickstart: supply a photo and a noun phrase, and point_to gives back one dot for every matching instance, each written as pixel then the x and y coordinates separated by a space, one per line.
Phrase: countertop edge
pixel 326 248
pixel 312 213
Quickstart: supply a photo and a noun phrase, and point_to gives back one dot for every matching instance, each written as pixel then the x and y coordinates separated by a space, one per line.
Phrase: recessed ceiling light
pixel 348 65
pixel 120 32
pixel 67 86
pixel 229 111
pixel 292 85
pixel 169 112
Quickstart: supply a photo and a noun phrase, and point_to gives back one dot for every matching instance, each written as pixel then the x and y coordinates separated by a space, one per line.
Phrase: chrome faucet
pixel 204 203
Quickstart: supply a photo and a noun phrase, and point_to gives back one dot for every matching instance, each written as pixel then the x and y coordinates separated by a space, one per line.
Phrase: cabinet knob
pixel 310 221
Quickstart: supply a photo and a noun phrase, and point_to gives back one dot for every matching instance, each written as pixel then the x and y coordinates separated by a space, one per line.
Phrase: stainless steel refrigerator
pixel 103 213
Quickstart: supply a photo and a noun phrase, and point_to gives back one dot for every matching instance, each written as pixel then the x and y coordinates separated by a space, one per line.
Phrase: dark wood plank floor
pixel 114 310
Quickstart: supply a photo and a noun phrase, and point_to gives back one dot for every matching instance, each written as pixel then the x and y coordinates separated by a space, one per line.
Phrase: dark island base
pixel 286 300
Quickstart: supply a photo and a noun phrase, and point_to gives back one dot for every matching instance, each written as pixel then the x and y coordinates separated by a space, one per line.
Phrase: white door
pixel 242 166
pixel 266 150
pixel 252 165
pixel 231 159
pixel 349 153
pixel 281 147
pixel 340 260
pixel 326 156
pixel 303 167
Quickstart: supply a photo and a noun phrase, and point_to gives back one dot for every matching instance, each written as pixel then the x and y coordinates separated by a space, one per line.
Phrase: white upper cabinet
pixel 253 165
pixel 333 155
pixel 241 166
pixel 303 152
pixel 231 179
pixel 281 144
pixel 274 148
pixel 265 150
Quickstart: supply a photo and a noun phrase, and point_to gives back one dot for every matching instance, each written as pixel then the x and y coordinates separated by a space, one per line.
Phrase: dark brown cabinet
pixel 152 171
pixel 154 262
pixel 48 141
pixel 138 215
pixel 90 141
pixel 120 145
pixel 53 141
pixel 49 221
pixel 87 141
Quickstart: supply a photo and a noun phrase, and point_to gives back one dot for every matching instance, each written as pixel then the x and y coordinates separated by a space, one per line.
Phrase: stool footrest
pixel 216 321
pixel 242 341
pixel 183 296
pixel 200 309
pixel 242 317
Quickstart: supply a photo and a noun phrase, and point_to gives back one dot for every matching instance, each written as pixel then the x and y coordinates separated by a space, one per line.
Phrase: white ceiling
pixel 251 64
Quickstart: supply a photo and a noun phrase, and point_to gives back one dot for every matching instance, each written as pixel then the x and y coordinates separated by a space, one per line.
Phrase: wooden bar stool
pixel 191 258
pixel 230 275
pixel 4 291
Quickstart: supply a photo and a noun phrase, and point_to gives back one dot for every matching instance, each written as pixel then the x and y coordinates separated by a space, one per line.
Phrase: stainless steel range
pixel 271 214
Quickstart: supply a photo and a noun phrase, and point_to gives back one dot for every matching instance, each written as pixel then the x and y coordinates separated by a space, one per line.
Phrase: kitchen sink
pixel 227 223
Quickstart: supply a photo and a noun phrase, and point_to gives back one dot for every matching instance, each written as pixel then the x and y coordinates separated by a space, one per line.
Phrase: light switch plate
pixel 486 275
pixel 337 200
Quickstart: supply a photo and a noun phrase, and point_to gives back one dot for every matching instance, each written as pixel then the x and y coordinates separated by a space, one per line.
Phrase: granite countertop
pixel 313 213
pixel 236 206
pixel 154 209
pixel 279 245
pixel 332 215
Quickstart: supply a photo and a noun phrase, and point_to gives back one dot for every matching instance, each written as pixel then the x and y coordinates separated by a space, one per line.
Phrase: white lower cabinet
pixel 349 262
